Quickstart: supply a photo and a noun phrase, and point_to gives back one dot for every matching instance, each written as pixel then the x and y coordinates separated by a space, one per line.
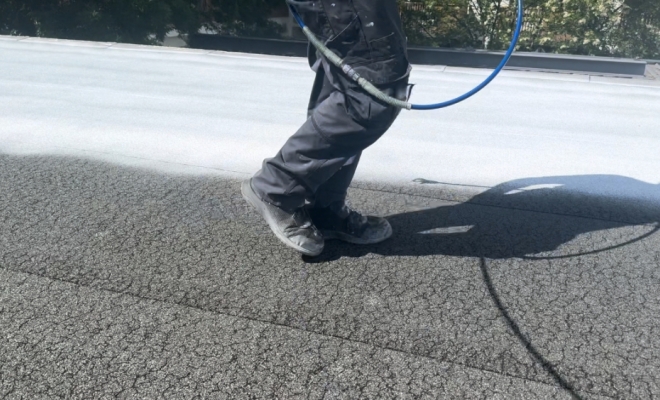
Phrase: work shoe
pixel 295 230
pixel 338 221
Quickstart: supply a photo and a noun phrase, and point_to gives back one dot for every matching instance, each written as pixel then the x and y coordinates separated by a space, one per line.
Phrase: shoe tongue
pixel 301 218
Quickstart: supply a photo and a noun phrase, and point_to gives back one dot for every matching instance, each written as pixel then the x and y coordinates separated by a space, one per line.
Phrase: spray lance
pixel 374 91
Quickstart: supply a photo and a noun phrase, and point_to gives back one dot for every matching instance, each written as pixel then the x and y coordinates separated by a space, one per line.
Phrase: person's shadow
pixel 529 217
pixel 525 218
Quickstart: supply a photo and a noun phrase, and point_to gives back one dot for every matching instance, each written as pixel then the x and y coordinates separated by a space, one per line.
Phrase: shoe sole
pixel 352 239
pixel 251 197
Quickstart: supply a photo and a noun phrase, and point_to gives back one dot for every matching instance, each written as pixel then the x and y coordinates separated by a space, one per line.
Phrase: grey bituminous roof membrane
pixel 118 282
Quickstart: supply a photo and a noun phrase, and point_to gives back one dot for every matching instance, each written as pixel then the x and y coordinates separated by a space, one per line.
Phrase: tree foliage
pixel 629 28
pixel 639 35
pixel 136 21
pixel 241 17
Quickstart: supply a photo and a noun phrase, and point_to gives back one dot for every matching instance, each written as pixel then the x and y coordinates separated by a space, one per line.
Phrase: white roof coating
pixel 214 112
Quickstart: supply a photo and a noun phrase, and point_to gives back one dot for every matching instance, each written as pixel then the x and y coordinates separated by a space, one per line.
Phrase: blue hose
pixel 467 95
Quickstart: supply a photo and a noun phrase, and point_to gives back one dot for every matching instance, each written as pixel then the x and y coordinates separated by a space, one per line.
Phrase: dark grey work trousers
pixel 318 162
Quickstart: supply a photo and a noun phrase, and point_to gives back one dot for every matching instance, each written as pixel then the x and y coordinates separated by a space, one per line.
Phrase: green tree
pixel 436 23
pixel 629 28
pixel 241 17
pixel 136 21
pixel 639 35
pixel 574 26
pixel 481 24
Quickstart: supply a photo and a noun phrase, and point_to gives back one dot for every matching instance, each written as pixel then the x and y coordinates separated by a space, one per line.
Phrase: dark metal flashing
pixel 437 56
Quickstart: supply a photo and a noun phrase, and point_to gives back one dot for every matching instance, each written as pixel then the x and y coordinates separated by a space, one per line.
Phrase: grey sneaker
pixel 338 221
pixel 294 230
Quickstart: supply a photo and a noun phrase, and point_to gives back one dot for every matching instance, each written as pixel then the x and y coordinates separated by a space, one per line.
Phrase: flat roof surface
pixel 229 111
pixel 525 261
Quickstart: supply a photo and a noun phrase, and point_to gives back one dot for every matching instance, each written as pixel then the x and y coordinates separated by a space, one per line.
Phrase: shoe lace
pixel 356 222
pixel 342 210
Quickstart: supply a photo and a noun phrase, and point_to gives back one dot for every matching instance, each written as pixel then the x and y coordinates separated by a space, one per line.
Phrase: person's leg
pixel 345 121
pixel 336 220
pixel 293 227
pixel 321 89
pixel 333 216
pixel 334 189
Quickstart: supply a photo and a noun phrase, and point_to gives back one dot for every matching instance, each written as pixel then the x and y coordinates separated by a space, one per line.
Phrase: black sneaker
pixel 338 221
pixel 294 230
